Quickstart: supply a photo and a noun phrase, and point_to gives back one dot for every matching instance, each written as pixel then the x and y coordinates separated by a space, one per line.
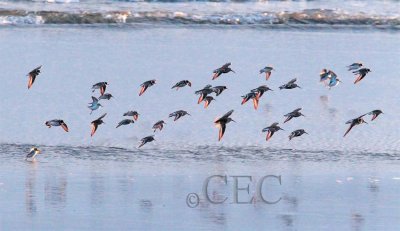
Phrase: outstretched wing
pixel 274 124
pixel 94 99
pixel 101 117
pixel 297 109
pixel 229 113
pixel 348 130
pixel 292 81
pixel 222 128
pixel 94 128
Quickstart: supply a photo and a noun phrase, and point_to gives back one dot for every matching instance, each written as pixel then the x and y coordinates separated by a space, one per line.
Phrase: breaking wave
pixel 309 17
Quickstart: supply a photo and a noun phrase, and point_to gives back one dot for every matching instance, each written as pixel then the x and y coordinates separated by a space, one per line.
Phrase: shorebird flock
pixel 327 77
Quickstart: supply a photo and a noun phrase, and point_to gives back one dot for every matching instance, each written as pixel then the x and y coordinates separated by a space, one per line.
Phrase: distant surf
pixel 307 15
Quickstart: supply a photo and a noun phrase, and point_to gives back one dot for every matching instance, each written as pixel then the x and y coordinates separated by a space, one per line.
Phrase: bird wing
pixel 222 128
pixel 101 117
pixel 269 135
pixel 348 130
pixel 31 79
pixel 255 103
pixel 142 89
pixel 94 128
pixel 292 81
pixel 296 110
pixel 274 124
pixel 64 126
pixel 94 99
pixel 226 65
pixel 103 89
pixel 229 113
pixel 267 75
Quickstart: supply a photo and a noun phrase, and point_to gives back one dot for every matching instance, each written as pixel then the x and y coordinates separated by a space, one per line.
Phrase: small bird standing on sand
pixel 374 113
pixel 290 85
pixel 361 73
pixel 222 70
pixel 145 140
pixel 354 122
pixel 94 105
pixel 261 90
pixel 100 85
pixel 253 96
pixel 354 66
pixel 95 123
pixel 32 154
pixel 178 114
pixel 204 92
pixel 221 123
pixel 57 123
pixel 293 114
pixel 125 122
pixel 146 85
pixel 135 114
pixel 297 133
pixel 218 89
pixel 208 100
pixel 182 84
pixel 271 130
pixel 106 96
pixel 32 75
pixel 267 70
pixel 159 125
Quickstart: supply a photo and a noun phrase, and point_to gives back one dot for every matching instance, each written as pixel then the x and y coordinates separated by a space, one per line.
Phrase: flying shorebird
pixel 221 123
pixel 57 122
pixel 159 125
pixel 32 75
pixel 94 105
pixel 267 70
pixel 32 154
pixel 261 90
pixel 135 114
pixel 297 133
pixel 208 100
pixel 95 123
pixel 125 122
pixel 374 113
pixel 146 85
pixel 361 73
pixel 271 130
pixel 222 70
pixel 253 96
pixel 204 92
pixel 290 85
pixel 293 114
pixel 218 89
pixel 333 79
pixel 182 84
pixel 354 122
pixel 106 96
pixel 145 140
pixel 100 85
pixel 178 114
pixel 354 66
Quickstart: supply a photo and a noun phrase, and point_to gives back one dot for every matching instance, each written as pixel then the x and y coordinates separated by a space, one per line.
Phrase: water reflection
pixel 55 190
pixel 30 189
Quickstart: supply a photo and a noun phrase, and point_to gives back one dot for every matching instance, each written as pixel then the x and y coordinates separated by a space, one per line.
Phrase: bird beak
pixel 233 121
pixel 306 133
pixel 233 71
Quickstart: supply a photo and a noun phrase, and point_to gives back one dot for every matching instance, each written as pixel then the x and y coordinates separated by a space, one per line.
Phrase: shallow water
pixel 105 182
